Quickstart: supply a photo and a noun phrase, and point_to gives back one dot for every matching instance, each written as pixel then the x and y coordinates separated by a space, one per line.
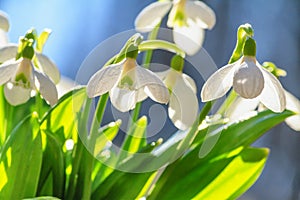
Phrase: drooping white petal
pixel 8 70
pixel 3 38
pixel 46 87
pixel 8 52
pixel 190 82
pixel 141 95
pixel 293 104
pixel 16 95
pixel 4 23
pixel 152 85
pixel 242 108
pixel 48 67
pixel 219 83
pixel 183 105
pixel 123 99
pixel 190 38
pixel 103 80
pixel 272 96
pixel 201 13
pixel 151 15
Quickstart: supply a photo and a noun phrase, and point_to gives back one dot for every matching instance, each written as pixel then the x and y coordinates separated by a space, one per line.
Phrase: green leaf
pixel 229 137
pixel 121 185
pixel 53 165
pixel 20 160
pixel 42 198
pixel 62 117
pixel 136 140
pixel 226 178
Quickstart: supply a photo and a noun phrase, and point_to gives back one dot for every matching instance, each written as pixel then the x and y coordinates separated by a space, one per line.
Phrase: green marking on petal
pixel 126 81
pixel 21 78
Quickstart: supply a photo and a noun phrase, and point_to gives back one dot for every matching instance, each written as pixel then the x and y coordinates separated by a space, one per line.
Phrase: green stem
pixel 161 44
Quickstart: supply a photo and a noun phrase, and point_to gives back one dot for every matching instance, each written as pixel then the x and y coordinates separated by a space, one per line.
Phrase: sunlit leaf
pixel 20 160
pixel 62 117
pixel 225 178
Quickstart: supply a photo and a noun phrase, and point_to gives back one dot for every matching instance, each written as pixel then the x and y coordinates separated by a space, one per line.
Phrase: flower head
pixel 20 78
pixel 249 79
pixel 183 104
pixel 187 18
pixel 127 84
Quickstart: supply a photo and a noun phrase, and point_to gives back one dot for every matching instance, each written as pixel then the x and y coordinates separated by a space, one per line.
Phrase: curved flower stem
pixel 161 44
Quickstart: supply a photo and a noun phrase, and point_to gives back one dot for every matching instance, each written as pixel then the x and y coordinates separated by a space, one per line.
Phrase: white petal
pixel 123 99
pixel 272 96
pixel 16 95
pixel 151 15
pixel 141 95
pixel 46 87
pixel 241 108
pixel 8 70
pixel 183 105
pixel 152 85
pixel 293 104
pixel 4 23
pixel 3 38
pixel 190 82
pixel 103 80
pixel 8 52
pixel 201 13
pixel 190 38
pixel 48 67
pixel 219 83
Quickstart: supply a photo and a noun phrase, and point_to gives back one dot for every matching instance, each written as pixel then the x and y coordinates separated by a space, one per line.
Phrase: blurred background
pixel 80 26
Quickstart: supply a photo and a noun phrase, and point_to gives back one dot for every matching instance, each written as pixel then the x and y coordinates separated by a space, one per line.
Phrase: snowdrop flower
pixel 249 79
pixel 20 78
pixel 183 104
pixel 127 84
pixel 188 19
pixel 45 64
pixel 4 26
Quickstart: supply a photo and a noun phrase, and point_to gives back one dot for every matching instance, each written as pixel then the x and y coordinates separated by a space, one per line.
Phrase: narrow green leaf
pixel 20 160
pixel 53 165
pixel 62 117
pixel 136 140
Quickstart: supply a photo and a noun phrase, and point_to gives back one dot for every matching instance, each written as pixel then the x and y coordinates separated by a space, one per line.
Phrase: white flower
pixel 250 80
pixel 4 26
pixel 127 84
pixel 183 104
pixel 20 78
pixel 45 64
pixel 187 18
